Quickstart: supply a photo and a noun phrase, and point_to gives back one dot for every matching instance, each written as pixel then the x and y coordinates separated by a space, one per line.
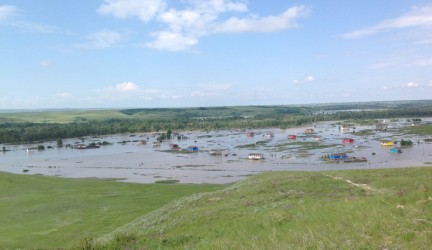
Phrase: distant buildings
pixel 347 140
pixel 215 152
pixel 256 156
pixel 338 156
pixel 292 137
pixel 309 131
pixel 386 143
pixel 395 150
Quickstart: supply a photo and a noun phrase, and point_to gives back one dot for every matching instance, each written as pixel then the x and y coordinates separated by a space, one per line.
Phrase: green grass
pixel 351 209
pixel 62 116
pixel 299 145
pixel 66 116
pixel 377 209
pixel 48 212
pixel 424 129
pixel 365 132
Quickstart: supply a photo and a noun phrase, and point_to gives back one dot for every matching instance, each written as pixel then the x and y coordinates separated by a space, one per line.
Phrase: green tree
pixel 59 143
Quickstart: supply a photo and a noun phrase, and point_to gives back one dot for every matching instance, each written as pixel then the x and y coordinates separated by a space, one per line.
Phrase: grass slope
pixel 360 209
pixel 48 212
pixel 62 116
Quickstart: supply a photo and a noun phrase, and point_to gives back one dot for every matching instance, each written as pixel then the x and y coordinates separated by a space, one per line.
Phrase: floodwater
pixel 128 161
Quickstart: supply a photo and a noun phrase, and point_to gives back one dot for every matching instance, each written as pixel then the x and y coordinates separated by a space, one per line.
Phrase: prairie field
pixel 39 212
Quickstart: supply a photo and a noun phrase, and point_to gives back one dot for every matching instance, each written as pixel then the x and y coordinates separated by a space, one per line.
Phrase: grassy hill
pixel 61 116
pixel 80 115
pixel 39 212
pixel 360 209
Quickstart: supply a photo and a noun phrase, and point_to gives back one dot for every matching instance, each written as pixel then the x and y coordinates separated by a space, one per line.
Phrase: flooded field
pixel 126 158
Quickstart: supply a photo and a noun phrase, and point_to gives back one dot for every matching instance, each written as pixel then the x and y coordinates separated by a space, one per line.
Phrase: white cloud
pixel 310 78
pixel 124 92
pixel 8 11
pixel 220 5
pixel 172 41
pixel 384 87
pixel 430 84
pixel 418 17
pixel 145 10
pixel 412 85
pixel 283 21
pixel 126 87
pixel 35 27
pixel 185 27
pixel 305 80
pixel 102 40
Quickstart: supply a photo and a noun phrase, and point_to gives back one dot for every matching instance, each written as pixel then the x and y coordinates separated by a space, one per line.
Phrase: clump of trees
pixel 59 142
pixel 165 136
pixel 13 132
pixel 406 142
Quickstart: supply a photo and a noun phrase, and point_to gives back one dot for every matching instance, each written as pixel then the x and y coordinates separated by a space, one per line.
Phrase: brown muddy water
pixel 131 162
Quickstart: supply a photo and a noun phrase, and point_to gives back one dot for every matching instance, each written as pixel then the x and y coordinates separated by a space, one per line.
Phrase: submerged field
pixel 38 212
pixel 357 209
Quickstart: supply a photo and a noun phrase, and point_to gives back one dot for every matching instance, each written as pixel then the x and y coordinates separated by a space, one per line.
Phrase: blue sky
pixel 166 53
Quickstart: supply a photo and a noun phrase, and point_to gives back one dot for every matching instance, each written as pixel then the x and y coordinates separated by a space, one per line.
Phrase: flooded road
pixel 127 160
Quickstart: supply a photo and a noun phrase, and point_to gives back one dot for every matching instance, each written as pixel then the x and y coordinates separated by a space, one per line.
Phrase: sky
pixel 194 53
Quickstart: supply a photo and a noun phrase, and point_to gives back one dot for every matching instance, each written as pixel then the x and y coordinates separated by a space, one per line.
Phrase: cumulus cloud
pixel 145 10
pixel 254 23
pixel 183 28
pixel 7 12
pixel 305 80
pixel 173 41
pixel 310 78
pixel 102 40
pixel 412 85
pixel 125 91
pixel 418 17
pixel 126 87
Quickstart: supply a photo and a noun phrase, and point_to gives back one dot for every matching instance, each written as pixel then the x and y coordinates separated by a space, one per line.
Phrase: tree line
pixel 14 132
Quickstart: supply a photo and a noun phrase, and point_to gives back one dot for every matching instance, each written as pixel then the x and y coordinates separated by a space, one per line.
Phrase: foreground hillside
pixel 367 209
pixel 39 212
